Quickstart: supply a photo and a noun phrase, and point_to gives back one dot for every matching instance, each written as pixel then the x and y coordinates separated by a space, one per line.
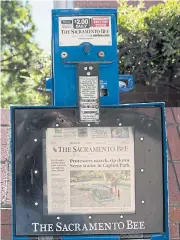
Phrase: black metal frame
pixel 29 123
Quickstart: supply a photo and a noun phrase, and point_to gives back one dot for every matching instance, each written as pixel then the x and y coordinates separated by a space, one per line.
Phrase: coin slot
pixel 32 177
pixel 103 92
pixel 123 83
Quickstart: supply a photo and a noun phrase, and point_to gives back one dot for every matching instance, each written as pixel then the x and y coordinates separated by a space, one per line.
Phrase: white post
pixel 63 4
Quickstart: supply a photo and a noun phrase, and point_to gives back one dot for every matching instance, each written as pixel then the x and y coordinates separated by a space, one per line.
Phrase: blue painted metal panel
pixel 165 160
pixel 64 75
pixel 13 203
pixel 83 11
pixel 103 237
pixel 49 85
pixel 159 237
pixel 123 86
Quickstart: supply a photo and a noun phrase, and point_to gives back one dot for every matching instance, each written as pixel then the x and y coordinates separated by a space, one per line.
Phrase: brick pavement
pixel 173 132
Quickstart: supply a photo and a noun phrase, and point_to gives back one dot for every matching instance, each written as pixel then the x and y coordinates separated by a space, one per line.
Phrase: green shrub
pixel 149 42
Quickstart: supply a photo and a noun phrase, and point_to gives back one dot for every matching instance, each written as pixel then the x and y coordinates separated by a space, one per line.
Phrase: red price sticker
pixel 100 22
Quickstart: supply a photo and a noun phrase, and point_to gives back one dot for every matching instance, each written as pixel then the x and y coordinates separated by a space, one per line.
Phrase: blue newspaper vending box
pixel 88 167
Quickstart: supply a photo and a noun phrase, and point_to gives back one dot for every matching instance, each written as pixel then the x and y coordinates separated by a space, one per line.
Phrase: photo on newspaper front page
pixel 90 170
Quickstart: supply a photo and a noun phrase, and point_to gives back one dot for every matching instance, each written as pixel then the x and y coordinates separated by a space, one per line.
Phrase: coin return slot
pixel 103 92
pixel 123 83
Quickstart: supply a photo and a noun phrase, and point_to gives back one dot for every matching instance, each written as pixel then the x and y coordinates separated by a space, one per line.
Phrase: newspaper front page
pixel 90 170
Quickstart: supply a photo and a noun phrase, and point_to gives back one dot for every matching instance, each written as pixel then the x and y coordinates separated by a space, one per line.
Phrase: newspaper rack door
pixel 74 178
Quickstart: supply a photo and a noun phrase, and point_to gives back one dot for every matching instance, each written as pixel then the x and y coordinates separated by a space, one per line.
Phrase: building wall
pixel 95 4
pixel 109 4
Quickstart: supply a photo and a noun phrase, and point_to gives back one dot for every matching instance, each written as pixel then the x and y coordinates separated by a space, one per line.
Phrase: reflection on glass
pixel 90 170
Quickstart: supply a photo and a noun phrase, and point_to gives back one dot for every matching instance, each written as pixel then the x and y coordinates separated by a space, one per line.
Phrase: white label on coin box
pixel 75 30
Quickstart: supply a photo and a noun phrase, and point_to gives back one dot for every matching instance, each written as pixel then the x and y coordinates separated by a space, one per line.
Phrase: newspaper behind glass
pixel 90 170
